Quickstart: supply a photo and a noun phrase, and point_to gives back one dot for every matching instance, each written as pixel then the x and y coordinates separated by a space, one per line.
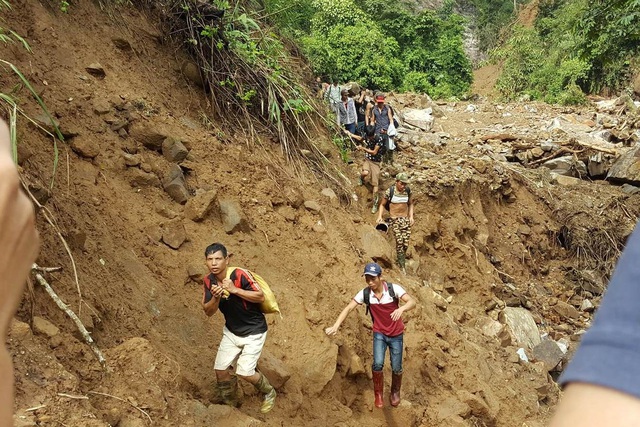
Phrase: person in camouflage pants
pixel 398 201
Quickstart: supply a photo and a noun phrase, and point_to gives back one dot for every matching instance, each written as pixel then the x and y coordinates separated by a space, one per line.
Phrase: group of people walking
pixel 236 294
pixel 369 122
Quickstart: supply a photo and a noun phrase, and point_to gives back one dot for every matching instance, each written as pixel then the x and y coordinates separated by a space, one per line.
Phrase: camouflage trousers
pixel 402 232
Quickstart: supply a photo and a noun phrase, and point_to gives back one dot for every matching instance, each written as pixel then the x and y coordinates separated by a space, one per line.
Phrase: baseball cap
pixel 372 269
pixel 402 177
pixel 379 98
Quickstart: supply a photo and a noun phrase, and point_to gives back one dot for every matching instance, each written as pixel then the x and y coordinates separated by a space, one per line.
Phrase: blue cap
pixel 372 269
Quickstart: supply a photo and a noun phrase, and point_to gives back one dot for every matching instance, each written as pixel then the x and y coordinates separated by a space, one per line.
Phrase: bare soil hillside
pixel 490 235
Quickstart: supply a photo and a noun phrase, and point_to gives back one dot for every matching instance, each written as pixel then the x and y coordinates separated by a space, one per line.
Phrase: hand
pixel 378 220
pixel 411 221
pixel 19 238
pixel 396 314
pixel 331 330
pixel 227 285
pixel 217 291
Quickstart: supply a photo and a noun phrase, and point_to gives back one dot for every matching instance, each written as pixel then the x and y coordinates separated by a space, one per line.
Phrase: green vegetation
pixel 10 102
pixel 380 45
pixel 575 47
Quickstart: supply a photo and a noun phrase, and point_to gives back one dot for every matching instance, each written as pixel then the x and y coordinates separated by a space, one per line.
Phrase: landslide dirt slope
pixel 145 312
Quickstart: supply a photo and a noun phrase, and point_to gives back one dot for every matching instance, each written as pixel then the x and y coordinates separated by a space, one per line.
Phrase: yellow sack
pixel 269 305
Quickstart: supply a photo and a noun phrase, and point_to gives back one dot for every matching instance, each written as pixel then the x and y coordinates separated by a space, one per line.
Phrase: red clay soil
pixel 144 310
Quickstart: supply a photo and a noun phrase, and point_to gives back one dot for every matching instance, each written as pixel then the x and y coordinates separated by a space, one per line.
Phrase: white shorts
pixel 246 350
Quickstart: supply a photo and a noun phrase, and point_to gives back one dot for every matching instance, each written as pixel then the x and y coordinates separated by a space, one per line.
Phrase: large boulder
pixel 175 185
pixel 375 246
pixel 421 119
pixel 627 168
pixel 521 326
pixel 232 217
pixel 200 205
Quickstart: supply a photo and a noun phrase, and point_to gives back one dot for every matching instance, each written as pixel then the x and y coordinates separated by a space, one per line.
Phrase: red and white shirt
pixel 382 308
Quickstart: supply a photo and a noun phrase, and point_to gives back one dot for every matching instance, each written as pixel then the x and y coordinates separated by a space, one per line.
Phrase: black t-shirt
pixel 360 110
pixel 371 145
pixel 241 317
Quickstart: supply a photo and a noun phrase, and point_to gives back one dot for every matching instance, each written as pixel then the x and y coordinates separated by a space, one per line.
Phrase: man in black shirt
pixel 236 294
pixel 372 147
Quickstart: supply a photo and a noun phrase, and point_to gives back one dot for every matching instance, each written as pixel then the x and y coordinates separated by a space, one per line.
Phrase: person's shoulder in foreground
pixel 19 245
pixel 602 380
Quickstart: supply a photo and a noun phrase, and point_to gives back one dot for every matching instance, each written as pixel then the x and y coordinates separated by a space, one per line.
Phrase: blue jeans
pixel 351 127
pixel 380 344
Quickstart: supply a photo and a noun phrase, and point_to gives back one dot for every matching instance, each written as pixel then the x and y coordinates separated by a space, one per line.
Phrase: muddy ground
pixel 490 233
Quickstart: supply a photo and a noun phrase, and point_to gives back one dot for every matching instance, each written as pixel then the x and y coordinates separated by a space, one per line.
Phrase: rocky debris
pixel 191 72
pixel 567 166
pixel 549 353
pixel 349 363
pixel 96 70
pixel 274 369
pixel 150 136
pixel 141 178
pixel 418 119
pixel 85 148
pixel 587 306
pixel 174 234
pixel 200 206
pixel 375 246
pixel 627 168
pixel 478 405
pixel 122 44
pixel 101 106
pixel 40 193
pixel 44 327
pixel 521 326
pixel 174 150
pixel 175 185
pixel 488 326
pixel 288 213
pixel 313 206
pixel 49 124
pixel 232 218
pixel 194 273
pixel 77 239
pixel 452 408
pixel 329 194
pixel 131 160
pixel 565 310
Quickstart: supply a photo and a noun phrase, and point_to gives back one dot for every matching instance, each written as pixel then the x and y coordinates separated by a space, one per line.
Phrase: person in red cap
pixel 382 301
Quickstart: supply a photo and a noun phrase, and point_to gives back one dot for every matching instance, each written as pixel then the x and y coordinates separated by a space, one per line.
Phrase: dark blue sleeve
pixel 609 354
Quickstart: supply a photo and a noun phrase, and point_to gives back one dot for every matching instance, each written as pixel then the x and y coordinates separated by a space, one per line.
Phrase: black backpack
pixel 366 294
pixel 391 190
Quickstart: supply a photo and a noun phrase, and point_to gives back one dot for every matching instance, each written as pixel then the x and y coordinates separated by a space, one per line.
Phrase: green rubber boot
pixel 376 200
pixel 264 387
pixel 402 261
pixel 228 391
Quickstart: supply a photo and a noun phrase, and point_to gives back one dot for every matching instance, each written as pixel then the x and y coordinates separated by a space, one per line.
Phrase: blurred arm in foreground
pixel 602 382
pixel 19 245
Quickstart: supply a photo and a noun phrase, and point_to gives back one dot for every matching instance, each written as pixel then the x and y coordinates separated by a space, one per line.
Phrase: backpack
pixel 391 190
pixel 366 294
pixel 269 305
